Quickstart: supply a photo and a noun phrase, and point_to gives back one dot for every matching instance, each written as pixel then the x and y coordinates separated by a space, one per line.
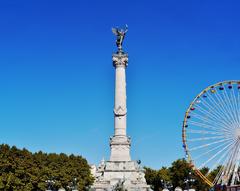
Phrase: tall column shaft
pixel 120 109
pixel 120 143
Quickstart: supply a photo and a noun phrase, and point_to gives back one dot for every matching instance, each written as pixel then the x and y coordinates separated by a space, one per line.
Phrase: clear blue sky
pixel 57 78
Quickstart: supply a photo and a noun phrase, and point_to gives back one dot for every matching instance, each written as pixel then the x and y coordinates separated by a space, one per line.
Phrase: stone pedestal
pixel 120 148
pixel 128 173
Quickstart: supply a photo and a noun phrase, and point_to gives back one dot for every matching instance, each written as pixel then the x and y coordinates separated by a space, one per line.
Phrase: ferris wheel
pixel 211 133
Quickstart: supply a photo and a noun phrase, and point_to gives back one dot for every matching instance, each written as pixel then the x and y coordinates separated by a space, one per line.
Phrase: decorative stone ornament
pixel 120 60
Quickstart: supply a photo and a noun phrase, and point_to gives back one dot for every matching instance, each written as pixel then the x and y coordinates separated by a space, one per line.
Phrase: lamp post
pixel 169 186
pixel 166 185
pixel 73 185
pixel 188 181
pixel 163 183
pixel 50 184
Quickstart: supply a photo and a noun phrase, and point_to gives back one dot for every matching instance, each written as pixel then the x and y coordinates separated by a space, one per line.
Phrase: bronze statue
pixel 120 33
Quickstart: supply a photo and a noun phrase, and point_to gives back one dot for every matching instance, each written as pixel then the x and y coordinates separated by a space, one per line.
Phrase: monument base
pixel 119 175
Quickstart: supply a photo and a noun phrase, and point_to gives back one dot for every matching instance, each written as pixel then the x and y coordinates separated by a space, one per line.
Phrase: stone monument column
pixel 120 62
pixel 120 143
pixel 119 172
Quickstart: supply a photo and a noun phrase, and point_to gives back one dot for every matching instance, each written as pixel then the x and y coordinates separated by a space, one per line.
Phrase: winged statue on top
pixel 120 34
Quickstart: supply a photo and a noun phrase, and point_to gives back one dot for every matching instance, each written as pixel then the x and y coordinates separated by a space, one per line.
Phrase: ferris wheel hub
pixel 237 133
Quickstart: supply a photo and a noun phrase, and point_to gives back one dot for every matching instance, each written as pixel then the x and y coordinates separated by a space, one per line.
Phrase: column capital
pixel 120 59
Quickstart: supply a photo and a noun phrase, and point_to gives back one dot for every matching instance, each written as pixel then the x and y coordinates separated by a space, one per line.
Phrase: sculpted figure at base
pixel 120 186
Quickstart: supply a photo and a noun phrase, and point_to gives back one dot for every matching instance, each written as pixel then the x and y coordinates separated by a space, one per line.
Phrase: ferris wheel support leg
pixel 235 172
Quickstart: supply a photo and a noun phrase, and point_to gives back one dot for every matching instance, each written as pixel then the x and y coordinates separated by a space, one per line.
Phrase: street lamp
pixel 166 185
pixel 188 181
pixel 50 184
pixel 73 185
pixel 163 184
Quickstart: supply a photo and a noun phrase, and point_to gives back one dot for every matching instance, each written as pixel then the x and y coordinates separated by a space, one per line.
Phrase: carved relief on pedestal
pixel 120 140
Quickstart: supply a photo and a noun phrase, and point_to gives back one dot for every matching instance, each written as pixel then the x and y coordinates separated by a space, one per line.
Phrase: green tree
pixel 199 184
pixel 23 170
pixel 157 178
pixel 176 174
pixel 151 178
pixel 179 171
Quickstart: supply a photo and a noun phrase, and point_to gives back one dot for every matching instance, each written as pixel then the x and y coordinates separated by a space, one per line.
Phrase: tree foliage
pixel 176 175
pixel 22 170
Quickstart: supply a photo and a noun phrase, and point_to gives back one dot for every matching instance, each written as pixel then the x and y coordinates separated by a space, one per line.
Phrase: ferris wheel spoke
pixel 204 132
pixel 218 176
pixel 210 113
pixel 235 174
pixel 238 104
pixel 231 161
pixel 205 138
pixel 228 104
pixel 229 168
pixel 219 105
pixel 234 98
pixel 223 157
pixel 231 104
pixel 227 148
pixel 202 118
pixel 221 174
pixel 207 126
pixel 217 110
pixel 222 106
pixel 207 145
pixel 213 106
pixel 208 121
pixel 213 149
pixel 225 104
